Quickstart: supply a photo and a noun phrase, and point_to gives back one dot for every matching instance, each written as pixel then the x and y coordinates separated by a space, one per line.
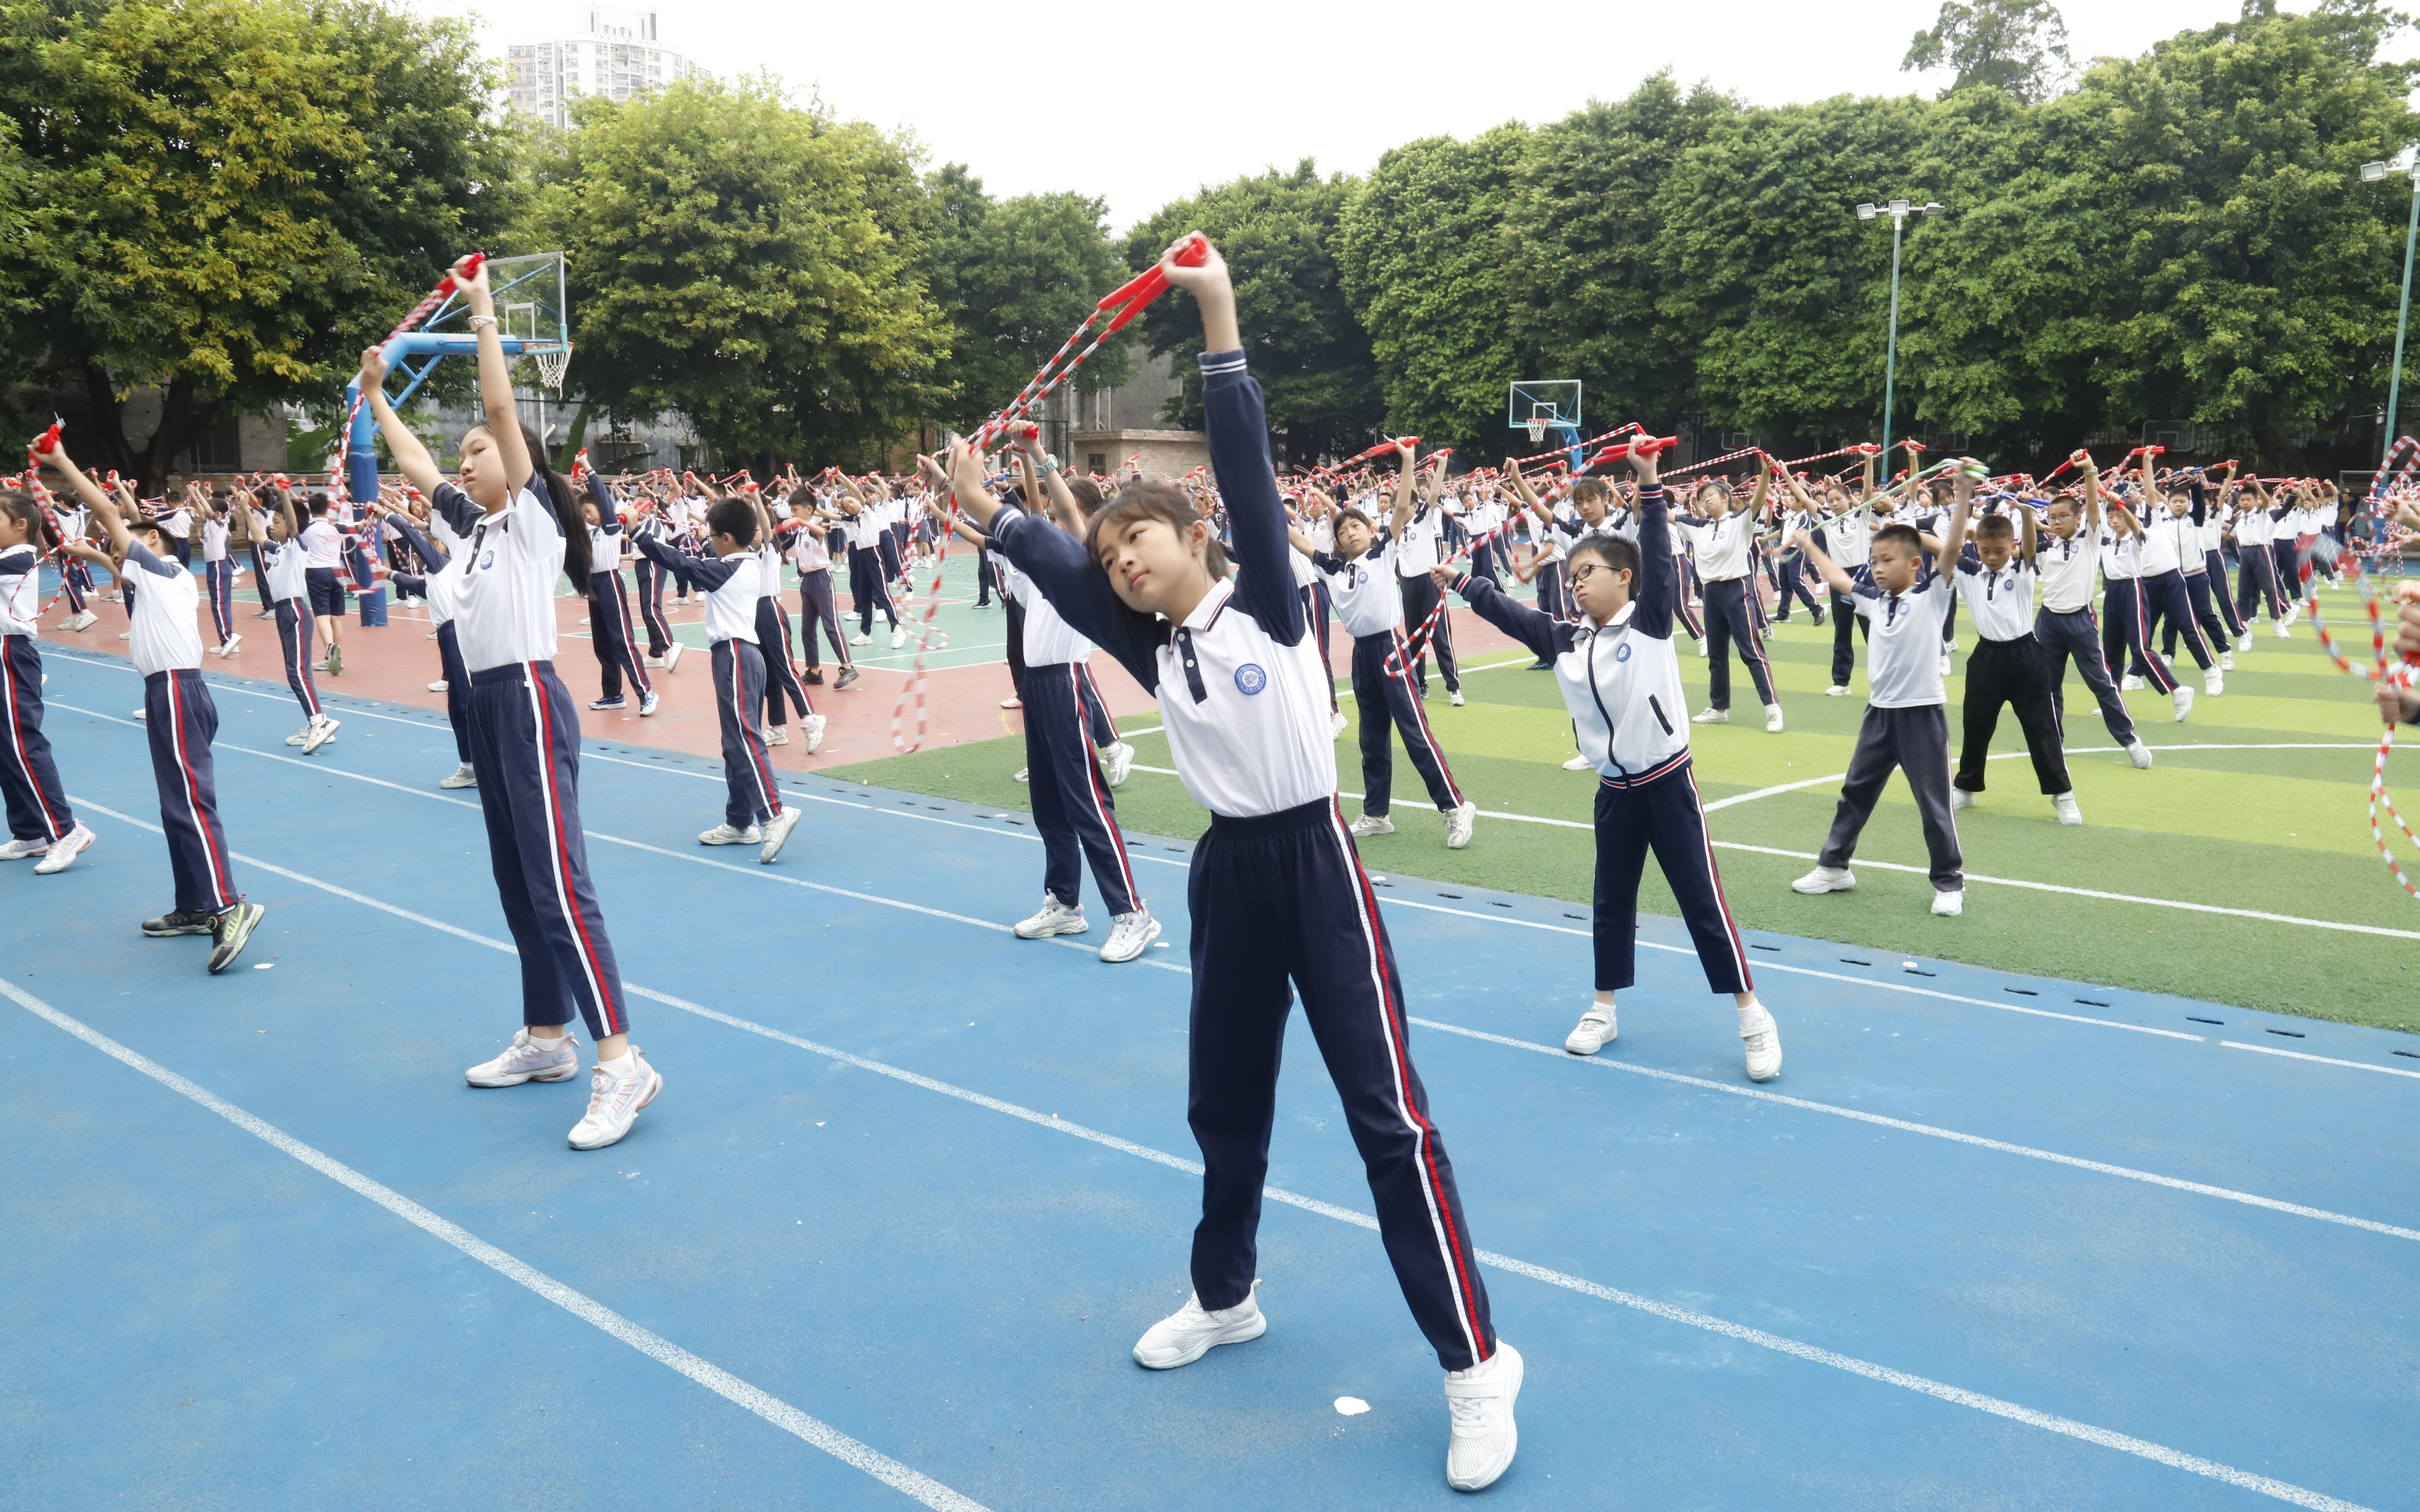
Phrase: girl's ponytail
pixel 576 562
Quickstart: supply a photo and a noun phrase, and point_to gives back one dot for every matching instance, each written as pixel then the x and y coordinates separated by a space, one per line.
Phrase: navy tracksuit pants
pixel 1280 899
pixel 651 607
pixel 218 580
pixel 29 778
pixel 1844 639
pixel 816 608
pixel 1917 742
pixel 1420 595
pixel 1731 614
pixel 2214 585
pixel 2125 644
pixel 1096 711
pixel 294 644
pixel 747 771
pixel 867 589
pixel 1072 807
pixel 2204 613
pixel 2074 635
pixel 458 689
pixel 1791 582
pixel 779 679
pixel 2256 581
pixel 525 748
pixel 1385 703
pixel 2166 601
pixel 180 720
pixel 609 631
pixel 1660 808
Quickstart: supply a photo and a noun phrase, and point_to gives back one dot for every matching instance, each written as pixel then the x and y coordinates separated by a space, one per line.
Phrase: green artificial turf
pixel 2279 831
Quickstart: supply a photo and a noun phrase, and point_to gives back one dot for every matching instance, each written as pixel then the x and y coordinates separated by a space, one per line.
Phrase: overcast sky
pixel 1073 95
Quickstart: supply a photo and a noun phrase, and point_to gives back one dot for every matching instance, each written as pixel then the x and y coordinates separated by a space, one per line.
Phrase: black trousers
pixel 1280 901
pixel 2014 674
pixel 2166 601
pixel 1844 638
pixel 773 650
pixel 294 641
pixel 1420 595
pixel 1015 643
pixel 609 631
pixel 1731 613
pixel 2125 635
pixel 1791 582
pixel 2075 635
pixel 750 793
pixel 1072 807
pixel 816 608
pixel 1917 742
pixel 868 590
pixel 651 607
pixel 2256 582
pixel 2205 614
pixel 1660 809
pixel 1384 702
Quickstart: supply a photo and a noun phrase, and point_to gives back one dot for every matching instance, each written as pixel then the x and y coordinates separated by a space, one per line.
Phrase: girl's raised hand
pixel 469 272
pixel 373 368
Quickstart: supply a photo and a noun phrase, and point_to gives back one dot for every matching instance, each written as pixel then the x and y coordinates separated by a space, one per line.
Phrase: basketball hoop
pixel 1537 429
pixel 550 364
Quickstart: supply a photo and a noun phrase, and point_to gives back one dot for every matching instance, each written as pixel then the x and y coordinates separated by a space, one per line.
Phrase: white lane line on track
pixel 1957 1396
pixel 813 1432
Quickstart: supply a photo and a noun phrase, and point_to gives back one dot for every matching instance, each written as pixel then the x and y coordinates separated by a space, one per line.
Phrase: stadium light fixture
pixel 1899 210
pixel 2406 162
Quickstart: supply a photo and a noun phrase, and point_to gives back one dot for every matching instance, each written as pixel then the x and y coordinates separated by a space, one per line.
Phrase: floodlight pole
pixel 1899 210
pixel 2409 160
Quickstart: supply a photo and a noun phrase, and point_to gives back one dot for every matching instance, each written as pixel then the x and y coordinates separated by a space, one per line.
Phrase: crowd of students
pixel 1215 594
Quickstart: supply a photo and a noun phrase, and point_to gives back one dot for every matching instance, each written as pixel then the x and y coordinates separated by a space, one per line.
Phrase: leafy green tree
pixel 1278 232
pixel 726 262
pixel 1423 267
pixel 2016 45
pixel 228 198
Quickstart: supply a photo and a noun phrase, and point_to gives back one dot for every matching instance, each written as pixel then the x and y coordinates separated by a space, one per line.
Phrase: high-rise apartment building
pixel 611 51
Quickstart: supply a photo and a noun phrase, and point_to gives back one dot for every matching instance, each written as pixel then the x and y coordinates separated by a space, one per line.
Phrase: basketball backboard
pixel 1539 405
pixel 533 312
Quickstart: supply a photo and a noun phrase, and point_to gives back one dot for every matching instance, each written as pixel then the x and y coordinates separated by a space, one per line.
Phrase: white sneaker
pixel 1193 1331
pixel 1022 773
pixel 898 639
pixel 64 851
pixel 18 850
pixel 129 635
pixel 722 834
pixel 322 731
pixel 461 776
pixel 1012 704
pixel 1458 825
pixel 776 834
pixel 303 735
pixel 1579 764
pixel 811 731
pixel 1371 823
pixel 2227 662
pixel 2184 702
pixel 1763 1039
pixel 2068 813
pixel 1117 763
pixel 648 703
pixel 1484 1438
pixel 2283 634
pixel 2140 755
pixel 1454 698
pixel 1960 798
pixel 776 735
pixel 1773 719
pixel 671 657
pixel 440 686
pixel 2130 685
pixel 144 714
pixel 1055 918
pixel 2293 612
pixel 1825 879
pixel 528 1058
pixel 1336 722
pixel 232 641
pixel 651 661
pixel 1950 905
pixel 861 640
pixel 1711 716
pixel 2213 682
pixel 1703 650
pixel 1945 664
pixel 1597 1029
pixel 614 1102
pixel 1837 690
pixel 1131 935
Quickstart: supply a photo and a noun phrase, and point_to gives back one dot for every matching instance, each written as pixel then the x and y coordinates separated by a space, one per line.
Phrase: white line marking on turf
pixel 2128 1173
pixel 816 1432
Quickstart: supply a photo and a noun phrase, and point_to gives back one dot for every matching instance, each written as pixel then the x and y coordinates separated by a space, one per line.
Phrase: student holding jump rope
pixel 1276 892
pixel 285 589
pixel 39 821
pixel 522 529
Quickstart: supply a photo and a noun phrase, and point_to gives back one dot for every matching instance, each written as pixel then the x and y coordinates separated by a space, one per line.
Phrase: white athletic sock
pixel 619 1066
pixel 1747 1015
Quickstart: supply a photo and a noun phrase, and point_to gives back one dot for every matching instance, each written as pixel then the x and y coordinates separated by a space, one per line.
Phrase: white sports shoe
pixel 301 736
pixel 1336 722
pixel 1710 715
pixel 1703 650
pixel 776 735
pixel 1773 719
pixel 776 834
pixel 1454 698
pixel 1763 1039
pixel 615 1101
pixel 1022 774
pixel 2213 682
pixel 2068 813
pixel 2227 662
pixel 2184 702
pixel 65 850
pixel 2279 626
pixel 2140 755
pixel 1960 798
pixel 811 731
pixel 1579 764
pixel 1371 823
pixel 1193 1331
pixel 1458 826
pixel 1131 935
pixel 1837 690
pixel 232 641
pixel 1055 918
pixel 1945 664
pixel 1597 1029
pixel 18 850
pixel 1950 905
pixel 323 730
pixel 861 640
pixel 2130 685
pixel 440 686
pixel 1117 763
pixel 898 639
pixel 461 776
pixel 1484 1438
pixel 2293 612
pixel 1825 879
pixel 648 703
pixel 528 1058
pixel 671 656
pixel 722 834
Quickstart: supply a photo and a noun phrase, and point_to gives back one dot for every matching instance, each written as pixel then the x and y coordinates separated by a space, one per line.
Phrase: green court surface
pixel 2240 869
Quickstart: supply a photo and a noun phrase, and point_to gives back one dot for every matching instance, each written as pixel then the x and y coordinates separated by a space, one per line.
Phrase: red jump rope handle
pixel 1644 446
pixel 1868 449
pixel 47 443
pixel 448 283
pixel 1150 283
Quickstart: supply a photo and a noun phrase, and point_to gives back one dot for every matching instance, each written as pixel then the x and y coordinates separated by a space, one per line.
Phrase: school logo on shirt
pixel 489 560
pixel 1622 652
pixel 1250 679
pixel 1361 577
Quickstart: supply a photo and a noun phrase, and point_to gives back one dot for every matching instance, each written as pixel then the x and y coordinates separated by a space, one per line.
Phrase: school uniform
pixel 285 583
pixel 1906 726
pixel 218 575
pixel 2065 628
pixel 732 587
pixel 1385 701
pixel 2006 666
pixel 812 555
pixel 180 721
pixel 1620 683
pixel 525 751
pixel 1421 549
pixel 2168 539
pixel 2256 571
pixel 2124 644
pixel 1073 808
pixel 651 608
pixel 323 546
pixel 1790 571
pixel 178 528
pixel 773 640
pixel 2211 600
pixel 29 777
pixel 1278 893
pixel 1722 547
pixel 608 614
pixel 869 589
pixel 441 588
pixel 1848 539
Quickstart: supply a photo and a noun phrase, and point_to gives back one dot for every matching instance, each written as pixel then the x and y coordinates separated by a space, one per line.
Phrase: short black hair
pixel 734 517
pixel 1591 489
pixel 1994 527
pixel 1348 512
pixel 1618 553
pixel 1902 536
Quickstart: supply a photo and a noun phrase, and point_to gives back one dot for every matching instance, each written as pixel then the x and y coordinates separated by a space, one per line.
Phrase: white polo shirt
pixel 2001 603
pixel 21 593
pixel 1721 546
pixel 164 637
pixel 1363 589
pixel 513 558
pixel 2068 569
pixel 1903 645
pixel 2121 555
pixel 2164 541
pixel 1418 550
pixel 324 544
pixel 1049 640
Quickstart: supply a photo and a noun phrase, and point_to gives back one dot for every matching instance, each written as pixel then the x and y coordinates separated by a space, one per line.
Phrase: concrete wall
pixel 1166 453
